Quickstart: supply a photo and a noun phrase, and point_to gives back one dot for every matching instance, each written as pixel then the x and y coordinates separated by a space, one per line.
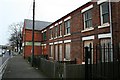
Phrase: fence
pixel 101 63
pixel 60 69
pixel 105 65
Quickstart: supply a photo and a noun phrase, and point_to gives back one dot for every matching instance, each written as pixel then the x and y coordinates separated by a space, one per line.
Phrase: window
pixel 44 50
pixel 51 34
pixel 60 31
pixel 87 19
pixel 60 52
pixel 67 51
pixel 104 12
pixel 67 27
pixel 56 31
pixel 106 51
pixel 56 52
pixel 44 36
pixel 87 44
pixel 51 51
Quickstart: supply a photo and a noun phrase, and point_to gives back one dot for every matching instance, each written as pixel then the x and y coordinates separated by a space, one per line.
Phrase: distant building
pixel 27 36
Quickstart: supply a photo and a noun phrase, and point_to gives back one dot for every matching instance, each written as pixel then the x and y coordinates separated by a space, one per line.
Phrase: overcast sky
pixel 13 11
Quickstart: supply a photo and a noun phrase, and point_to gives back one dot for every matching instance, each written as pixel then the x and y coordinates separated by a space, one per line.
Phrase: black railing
pixel 102 62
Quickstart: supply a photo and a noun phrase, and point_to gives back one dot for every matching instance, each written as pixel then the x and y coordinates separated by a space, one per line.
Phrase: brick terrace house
pixel 27 36
pixel 94 22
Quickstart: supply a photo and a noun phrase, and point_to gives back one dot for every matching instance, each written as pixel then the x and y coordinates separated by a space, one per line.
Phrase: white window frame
pixel 56 52
pixel 60 29
pixel 87 20
pixel 56 31
pixel 67 27
pixel 60 52
pixel 51 34
pixel 104 44
pixel 51 51
pixel 69 57
pixel 101 14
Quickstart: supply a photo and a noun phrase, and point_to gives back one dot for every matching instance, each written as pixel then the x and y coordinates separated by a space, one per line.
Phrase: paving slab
pixel 18 67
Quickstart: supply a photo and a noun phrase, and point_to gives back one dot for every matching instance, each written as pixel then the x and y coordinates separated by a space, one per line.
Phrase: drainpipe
pixel 111 29
pixel 110 13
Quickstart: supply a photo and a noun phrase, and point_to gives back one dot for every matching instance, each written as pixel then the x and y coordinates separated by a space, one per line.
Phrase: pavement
pixel 18 67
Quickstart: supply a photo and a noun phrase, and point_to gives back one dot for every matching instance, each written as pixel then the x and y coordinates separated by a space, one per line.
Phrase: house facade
pixel 27 37
pixel 95 22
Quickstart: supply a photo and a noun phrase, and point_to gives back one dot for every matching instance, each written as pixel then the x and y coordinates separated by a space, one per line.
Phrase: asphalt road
pixel 4 58
pixel 3 62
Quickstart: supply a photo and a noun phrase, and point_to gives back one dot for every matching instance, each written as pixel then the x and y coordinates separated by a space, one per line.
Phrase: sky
pixel 15 11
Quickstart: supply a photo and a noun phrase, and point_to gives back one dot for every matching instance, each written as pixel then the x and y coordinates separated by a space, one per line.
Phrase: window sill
pixel 51 58
pixel 59 36
pixel 88 29
pixel 55 37
pixel 104 25
pixel 83 62
pixel 67 59
pixel 67 35
pixel 51 39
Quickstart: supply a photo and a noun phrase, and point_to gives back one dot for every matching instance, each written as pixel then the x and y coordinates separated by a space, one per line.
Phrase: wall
pixel 27 38
pixel 78 35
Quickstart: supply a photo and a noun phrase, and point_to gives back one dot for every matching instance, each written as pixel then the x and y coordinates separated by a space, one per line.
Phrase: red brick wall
pixel 37 35
pixel 37 50
pixel 116 26
pixel 77 25
pixel 27 37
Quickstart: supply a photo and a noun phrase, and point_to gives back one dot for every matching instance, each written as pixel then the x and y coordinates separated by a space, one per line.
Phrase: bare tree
pixel 15 39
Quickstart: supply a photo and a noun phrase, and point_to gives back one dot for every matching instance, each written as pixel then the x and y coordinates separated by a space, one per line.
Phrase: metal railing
pixel 105 63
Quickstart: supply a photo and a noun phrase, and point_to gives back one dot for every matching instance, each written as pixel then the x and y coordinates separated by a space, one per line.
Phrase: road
pixel 4 58
pixel 3 62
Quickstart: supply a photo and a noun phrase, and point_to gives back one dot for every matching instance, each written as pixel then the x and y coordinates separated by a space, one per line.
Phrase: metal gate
pixel 106 63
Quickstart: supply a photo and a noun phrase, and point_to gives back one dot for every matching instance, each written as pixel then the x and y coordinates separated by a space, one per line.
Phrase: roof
pixel 39 25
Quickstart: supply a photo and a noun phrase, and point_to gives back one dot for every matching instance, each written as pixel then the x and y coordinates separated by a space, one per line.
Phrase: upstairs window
pixel 104 9
pixel 87 19
pixel 60 31
pixel 56 31
pixel 51 34
pixel 67 27
pixel 44 36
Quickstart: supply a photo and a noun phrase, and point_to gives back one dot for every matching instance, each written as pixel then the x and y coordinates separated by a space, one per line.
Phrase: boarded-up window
pixel 87 44
pixel 51 51
pixel 60 52
pixel 106 50
pixel 67 51
pixel 44 50
pixel 56 52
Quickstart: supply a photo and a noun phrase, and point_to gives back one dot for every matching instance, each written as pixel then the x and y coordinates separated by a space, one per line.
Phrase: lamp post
pixel 32 61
